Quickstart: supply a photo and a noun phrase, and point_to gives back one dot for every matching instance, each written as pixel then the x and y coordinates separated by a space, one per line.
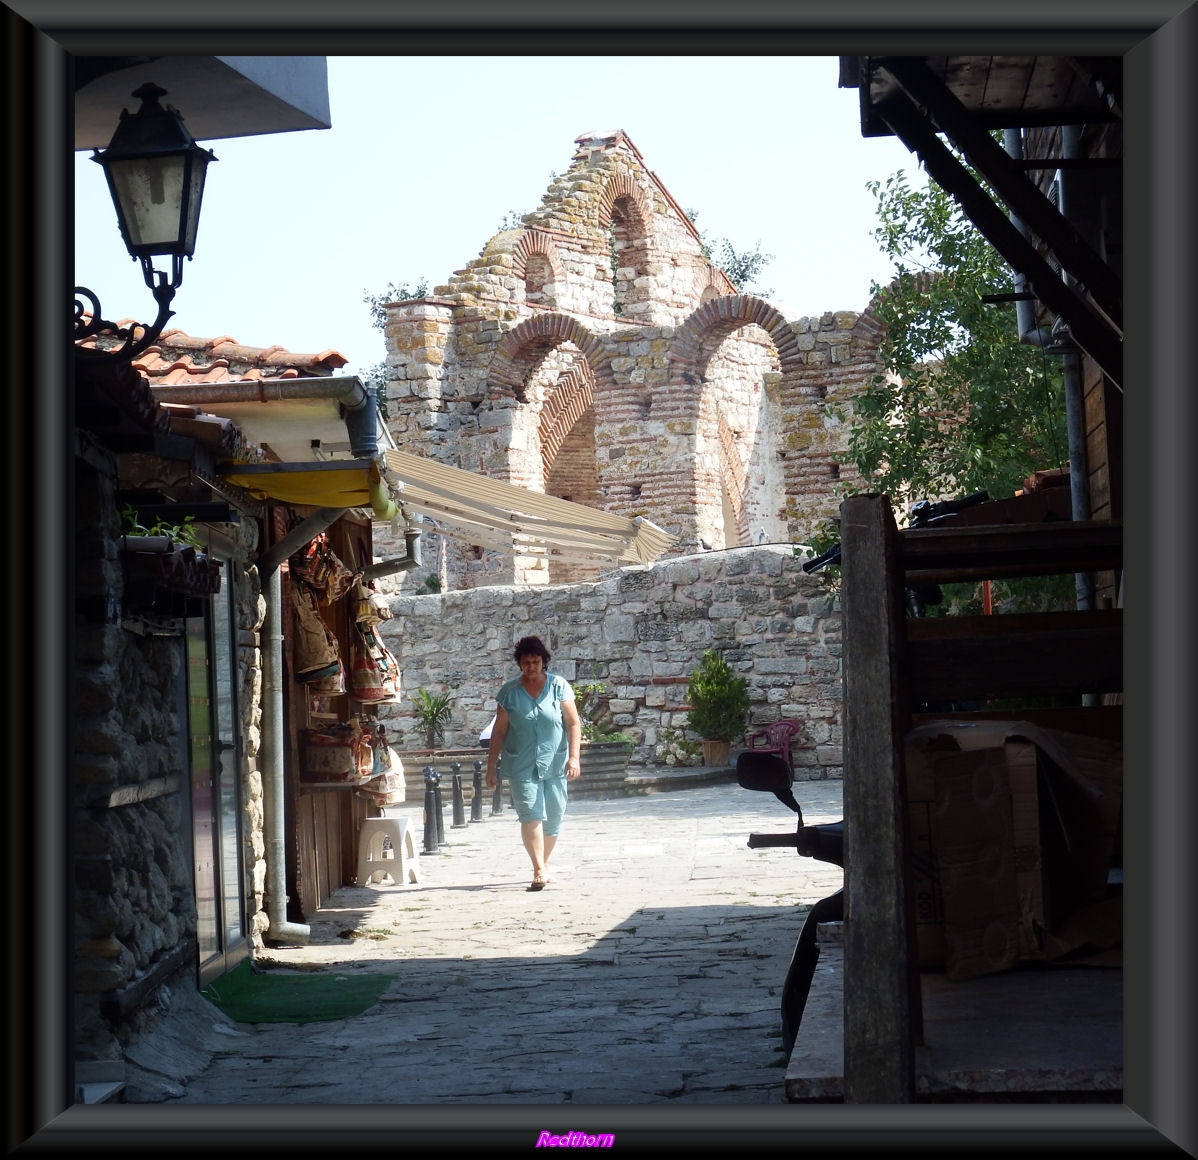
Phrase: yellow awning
pixel 354 483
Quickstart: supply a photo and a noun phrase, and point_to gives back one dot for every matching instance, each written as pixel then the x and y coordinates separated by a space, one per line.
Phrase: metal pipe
pixel 1060 341
pixel 403 564
pixel 1075 405
pixel 1025 308
pixel 272 773
pixel 295 539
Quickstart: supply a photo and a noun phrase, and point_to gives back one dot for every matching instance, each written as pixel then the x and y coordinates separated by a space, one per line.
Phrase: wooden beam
pixel 1021 195
pixel 881 986
pixel 1090 330
pixel 1001 551
pixel 971 658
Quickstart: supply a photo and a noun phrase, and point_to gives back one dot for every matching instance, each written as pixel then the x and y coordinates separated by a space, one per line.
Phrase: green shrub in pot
pixel 719 700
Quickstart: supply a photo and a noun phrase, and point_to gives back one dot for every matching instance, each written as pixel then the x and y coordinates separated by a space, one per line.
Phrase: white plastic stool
pixel 371 860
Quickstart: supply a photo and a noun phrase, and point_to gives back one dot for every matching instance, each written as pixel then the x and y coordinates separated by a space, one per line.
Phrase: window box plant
pixel 718 707
pixel 165 561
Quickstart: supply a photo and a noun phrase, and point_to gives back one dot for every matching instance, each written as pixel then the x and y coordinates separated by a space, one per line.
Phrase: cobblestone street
pixel 649 971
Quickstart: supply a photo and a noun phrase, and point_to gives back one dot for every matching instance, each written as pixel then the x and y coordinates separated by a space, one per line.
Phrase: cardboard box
pixel 1011 831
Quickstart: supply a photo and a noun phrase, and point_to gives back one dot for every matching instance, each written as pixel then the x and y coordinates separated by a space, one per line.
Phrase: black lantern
pixel 155 173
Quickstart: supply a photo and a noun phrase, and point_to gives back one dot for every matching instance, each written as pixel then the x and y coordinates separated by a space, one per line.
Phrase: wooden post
pixel 878 963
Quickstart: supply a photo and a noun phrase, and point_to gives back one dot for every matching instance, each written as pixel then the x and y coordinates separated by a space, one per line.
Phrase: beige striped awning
pixel 478 510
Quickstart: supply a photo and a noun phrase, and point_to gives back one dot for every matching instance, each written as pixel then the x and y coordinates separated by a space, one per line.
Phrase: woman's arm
pixel 573 727
pixel 498 733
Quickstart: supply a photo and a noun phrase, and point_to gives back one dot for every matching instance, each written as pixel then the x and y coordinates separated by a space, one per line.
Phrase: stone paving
pixel 648 972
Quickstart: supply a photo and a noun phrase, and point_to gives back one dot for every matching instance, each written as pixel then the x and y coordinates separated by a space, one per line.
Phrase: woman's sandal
pixel 538 882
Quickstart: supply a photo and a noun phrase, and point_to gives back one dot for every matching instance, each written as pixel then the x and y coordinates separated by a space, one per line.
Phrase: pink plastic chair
pixel 776 737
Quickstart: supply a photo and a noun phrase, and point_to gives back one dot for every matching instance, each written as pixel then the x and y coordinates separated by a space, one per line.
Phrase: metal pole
pixel 440 807
pixel 497 797
pixel 459 801
pixel 476 800
pixel 430 810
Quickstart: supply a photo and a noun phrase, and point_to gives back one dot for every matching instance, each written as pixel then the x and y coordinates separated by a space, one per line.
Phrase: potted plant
pixel 719 707
pixel 433 713
pixel 164 558
pixel 161 536
pixel 605 751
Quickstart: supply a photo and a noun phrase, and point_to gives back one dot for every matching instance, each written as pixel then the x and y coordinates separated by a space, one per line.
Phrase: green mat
pixel 271 997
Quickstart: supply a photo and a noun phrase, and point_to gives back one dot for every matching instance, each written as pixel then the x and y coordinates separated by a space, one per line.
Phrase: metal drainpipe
pixel 273 788
pixel 1059 341
pixel 387 567
pixel 1079 482
pixel 1025 310
pixel 272 759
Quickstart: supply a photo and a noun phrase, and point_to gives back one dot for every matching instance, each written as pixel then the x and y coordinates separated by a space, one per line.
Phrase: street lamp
pixel 155 173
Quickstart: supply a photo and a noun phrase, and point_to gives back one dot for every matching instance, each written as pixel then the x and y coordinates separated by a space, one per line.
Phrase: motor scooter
pixel 825 843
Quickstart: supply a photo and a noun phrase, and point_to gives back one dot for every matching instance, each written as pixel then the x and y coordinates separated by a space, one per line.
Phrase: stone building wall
pixel 135 917
pixel 595 353
pixel 641 632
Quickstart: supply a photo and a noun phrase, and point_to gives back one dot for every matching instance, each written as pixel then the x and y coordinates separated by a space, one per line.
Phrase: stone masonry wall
pixel 135 916
pixel 640 631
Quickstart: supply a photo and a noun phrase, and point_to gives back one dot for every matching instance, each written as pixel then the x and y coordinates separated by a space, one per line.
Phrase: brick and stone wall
pixel 595 353
pixel 641 632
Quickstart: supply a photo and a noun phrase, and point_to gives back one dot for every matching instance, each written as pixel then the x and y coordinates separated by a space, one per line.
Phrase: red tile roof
pixel 178 357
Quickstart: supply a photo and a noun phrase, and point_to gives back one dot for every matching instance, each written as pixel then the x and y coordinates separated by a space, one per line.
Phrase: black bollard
pixel 430 811
pixel 440 812
pixel 459 800
pixel 497 797
pixel 476 800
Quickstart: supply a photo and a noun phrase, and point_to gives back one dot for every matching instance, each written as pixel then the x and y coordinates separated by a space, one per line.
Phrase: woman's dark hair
pixel 531 646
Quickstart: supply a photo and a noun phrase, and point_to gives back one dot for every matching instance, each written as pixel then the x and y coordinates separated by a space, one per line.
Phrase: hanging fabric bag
pixel 315 652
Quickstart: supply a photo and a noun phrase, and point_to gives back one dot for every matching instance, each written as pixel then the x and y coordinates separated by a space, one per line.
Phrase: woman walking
pixel 537 731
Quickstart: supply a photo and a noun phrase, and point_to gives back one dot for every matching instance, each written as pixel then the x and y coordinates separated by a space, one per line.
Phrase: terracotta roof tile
pixel 224 359
pixel 181 359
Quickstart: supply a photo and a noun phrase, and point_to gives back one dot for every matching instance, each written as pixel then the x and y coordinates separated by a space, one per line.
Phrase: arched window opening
pixel 629 250
pixel 538 280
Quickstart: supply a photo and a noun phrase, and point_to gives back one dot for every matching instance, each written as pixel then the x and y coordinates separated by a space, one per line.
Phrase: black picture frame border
pixel 1158 41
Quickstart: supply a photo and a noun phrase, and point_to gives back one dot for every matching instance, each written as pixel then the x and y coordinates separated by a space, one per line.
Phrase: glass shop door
pixel 216 801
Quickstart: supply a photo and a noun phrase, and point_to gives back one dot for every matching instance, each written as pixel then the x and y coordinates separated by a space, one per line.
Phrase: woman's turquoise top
pixel 536 746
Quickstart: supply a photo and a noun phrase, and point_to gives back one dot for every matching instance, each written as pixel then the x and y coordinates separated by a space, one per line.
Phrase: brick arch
pixel 711 283
pixel 523 346
pixel 715 320
pixel 621 185
pixel 573 396
pixel 536 242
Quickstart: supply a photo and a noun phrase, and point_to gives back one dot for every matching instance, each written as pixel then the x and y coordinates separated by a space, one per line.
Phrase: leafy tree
pixel 400 292
pixel 375 377
pixel 962 404
pixel 743 267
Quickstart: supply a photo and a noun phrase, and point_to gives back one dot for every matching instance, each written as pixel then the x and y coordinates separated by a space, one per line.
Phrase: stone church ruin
pixel 595 354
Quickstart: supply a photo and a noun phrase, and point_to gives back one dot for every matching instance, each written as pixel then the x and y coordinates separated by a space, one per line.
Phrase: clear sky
pixel 427 155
